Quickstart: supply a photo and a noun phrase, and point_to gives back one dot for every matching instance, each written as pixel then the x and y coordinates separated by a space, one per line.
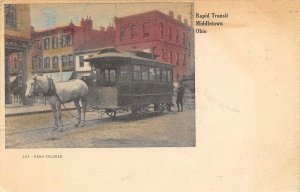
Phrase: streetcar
pixel 129 80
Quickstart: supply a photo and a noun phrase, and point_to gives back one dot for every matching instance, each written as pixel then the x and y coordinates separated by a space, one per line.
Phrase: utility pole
pixel 191 12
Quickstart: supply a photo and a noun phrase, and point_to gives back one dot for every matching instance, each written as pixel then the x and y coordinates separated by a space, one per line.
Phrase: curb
pixel 34 112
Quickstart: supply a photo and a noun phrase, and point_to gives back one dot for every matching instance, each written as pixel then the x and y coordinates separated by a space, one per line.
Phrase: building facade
pixel 163 35
pixel 83 68
pixel 53 49
pixel 17 50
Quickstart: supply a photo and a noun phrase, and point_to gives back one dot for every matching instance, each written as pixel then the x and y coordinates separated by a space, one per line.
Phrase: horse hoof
pixel 54 129
pixel 76 125
pixel 61 130
pixel 82 125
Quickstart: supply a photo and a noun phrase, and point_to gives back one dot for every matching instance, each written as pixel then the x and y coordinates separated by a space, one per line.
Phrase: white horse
pixel 58 93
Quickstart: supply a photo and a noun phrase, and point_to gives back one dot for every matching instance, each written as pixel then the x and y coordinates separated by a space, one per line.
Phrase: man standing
pixel 179 100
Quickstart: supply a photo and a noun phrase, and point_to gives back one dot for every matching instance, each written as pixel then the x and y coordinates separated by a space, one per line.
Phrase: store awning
pixel 66 76
pixel 12 78
pixel 83 74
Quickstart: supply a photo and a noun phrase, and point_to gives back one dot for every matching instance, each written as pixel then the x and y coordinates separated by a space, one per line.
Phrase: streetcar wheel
pixel 135 110
pixel 111 113
pixel 161 108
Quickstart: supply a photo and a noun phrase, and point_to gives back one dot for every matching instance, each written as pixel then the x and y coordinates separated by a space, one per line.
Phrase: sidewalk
pixel 19 109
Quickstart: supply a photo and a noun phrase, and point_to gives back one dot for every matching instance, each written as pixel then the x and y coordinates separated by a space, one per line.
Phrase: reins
pixel 65 106
pixel 52 91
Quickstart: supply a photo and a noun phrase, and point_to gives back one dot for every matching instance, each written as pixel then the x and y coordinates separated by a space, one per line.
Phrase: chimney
pixel 82 22
pixel 179 18
pixel 185 21
pixel 171 14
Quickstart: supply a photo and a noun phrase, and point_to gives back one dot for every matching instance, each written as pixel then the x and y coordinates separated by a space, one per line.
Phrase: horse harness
pixel 51 87
pixel 52 91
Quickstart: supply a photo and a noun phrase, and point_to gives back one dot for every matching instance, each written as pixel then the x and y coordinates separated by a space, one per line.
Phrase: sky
pixel 45 16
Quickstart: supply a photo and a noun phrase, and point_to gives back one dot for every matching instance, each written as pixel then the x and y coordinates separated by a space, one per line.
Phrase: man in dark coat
pixel 179 100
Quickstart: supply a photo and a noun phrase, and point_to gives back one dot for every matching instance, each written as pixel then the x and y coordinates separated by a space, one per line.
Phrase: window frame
pixel 124 75
pixel 146 28
pixel 151 75
pixel 145 70
pixel 47 64
pixel 54 42
pixel 81 61
pixel 46 43
pixel 107 76
pixel 157 73
pixel 10 10
pixel 139 72
pixel 162 30
pixel 134 32
pixel 122 33
pixel 55 62
pixel 71 60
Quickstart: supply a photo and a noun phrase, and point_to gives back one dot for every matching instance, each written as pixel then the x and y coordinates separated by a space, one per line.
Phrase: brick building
pixel 161 34
pixel 55 47
pixel 17 50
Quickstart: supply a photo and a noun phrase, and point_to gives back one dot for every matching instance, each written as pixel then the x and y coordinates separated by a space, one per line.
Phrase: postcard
pixel 149 96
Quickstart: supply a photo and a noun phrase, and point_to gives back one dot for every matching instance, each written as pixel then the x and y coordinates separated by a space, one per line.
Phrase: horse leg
pixel 54 116
pixel 77 105
pixel 83 103
pixel 58 116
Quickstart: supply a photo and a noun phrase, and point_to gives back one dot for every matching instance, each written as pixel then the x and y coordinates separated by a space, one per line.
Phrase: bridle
pixel 37 88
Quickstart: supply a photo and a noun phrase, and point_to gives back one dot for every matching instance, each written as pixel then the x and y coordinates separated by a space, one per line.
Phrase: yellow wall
pixel 23 29
pixel 59 51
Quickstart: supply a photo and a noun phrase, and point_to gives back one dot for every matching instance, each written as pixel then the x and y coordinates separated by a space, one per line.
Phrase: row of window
pixel 146 28
pixel 168 56
pixel 64 41
pixel 134 30
pixel 140 73
pixel 146 73
pixel 67 61
pixel 162 34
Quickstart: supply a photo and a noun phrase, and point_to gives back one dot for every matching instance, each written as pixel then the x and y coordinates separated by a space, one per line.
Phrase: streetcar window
pixel 124 74
pixel 164 74
pixel 94 75
pixel 137 72
pixel 145 74
pixel 151 73
pixel 112 75
pixel 106 75
pixel 169 75
pixel 109 75
pixel 157 74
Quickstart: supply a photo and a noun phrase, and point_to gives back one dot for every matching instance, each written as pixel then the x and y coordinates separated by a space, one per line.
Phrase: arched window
pixel 170 33
pixel 161 30
pixel 15 63
pixel 122 33
pixel 133 31
pixel 176 35
pixel 146 29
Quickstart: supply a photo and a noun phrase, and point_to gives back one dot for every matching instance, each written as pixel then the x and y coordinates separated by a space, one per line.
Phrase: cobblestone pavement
pixel 170 129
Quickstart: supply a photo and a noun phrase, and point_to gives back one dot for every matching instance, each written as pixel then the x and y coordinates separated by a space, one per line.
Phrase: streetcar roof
pixel 114 53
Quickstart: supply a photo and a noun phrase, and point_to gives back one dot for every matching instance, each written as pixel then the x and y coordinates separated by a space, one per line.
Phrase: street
pixel 169 129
